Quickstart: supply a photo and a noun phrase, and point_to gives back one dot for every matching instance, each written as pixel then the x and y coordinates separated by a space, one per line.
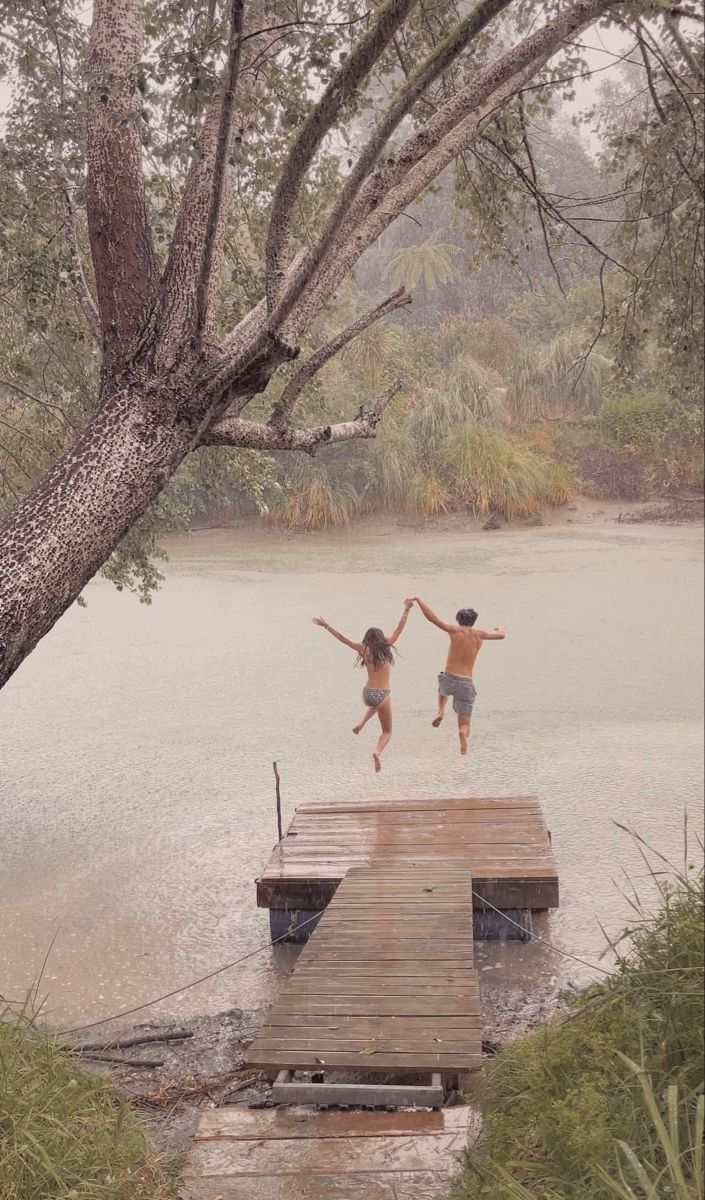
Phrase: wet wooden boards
pixel 502 842
pixel 294 1154
pixel 387 984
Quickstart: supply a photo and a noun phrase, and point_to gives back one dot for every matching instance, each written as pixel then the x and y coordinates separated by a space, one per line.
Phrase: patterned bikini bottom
pixel 373 697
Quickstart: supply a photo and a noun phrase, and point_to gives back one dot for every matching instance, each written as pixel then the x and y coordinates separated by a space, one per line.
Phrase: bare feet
pixel 357 728
pixel 378 763
pixel 437 720
pixel 463 743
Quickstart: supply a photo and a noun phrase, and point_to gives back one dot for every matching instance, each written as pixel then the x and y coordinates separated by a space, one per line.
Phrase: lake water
pixel 136 787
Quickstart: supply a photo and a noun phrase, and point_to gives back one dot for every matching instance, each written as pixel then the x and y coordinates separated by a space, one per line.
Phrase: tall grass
pixel 389 467
pixel 315 499
pixel 491 474
pixel 608 1102
pixel 468 390
pixel 556 379
pixel 64 1134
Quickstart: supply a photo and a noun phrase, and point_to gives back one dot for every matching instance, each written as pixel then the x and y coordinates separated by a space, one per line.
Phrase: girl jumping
pixel 375 653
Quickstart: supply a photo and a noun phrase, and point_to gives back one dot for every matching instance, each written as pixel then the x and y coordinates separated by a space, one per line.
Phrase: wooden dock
pixel 386 984
pixel 501 842
pixel 386 990
pixel 294 1154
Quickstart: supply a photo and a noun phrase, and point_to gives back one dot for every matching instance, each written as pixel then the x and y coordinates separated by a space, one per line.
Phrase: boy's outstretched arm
pixel 340 636
pixel 408 605
pixel 431 616
pixel 496 635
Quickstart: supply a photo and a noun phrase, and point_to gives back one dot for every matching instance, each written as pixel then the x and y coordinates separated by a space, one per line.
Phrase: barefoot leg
pixel 369 712
pixel 384 712
pixel 442 701
pixel 464 733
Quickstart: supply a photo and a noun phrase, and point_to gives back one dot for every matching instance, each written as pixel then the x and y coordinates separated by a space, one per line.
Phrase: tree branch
pixel 50 405
pixel 121 242
pixel 344 84
pixel 78 275
pixel 285 405
pixel 390 190
pixel 683 47
pixel 251 435
pixel 417 83
pixel 191 275
pixel 215 221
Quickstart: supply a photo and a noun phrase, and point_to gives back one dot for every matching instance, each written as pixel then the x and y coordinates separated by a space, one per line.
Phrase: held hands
pixel 409 604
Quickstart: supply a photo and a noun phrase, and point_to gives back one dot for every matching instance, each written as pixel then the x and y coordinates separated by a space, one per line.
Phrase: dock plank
pixel 502 842
pixel 376 1000
pixel 297 1154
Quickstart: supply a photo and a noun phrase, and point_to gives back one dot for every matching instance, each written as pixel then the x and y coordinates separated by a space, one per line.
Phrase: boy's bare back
pixel 465 640
pixel 465 645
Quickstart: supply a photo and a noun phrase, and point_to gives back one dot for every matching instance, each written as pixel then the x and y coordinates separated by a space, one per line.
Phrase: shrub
pixel 667 434
pixel 636 417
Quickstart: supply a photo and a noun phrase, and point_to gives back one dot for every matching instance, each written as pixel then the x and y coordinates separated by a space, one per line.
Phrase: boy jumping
pixel 456 680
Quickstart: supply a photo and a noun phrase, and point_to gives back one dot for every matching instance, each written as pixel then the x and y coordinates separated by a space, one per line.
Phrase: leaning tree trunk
pixel 64 530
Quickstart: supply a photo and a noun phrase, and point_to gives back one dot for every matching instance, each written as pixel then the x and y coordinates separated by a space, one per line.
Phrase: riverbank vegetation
pixel 497 425
pixel 607 1103
pixel 64 1133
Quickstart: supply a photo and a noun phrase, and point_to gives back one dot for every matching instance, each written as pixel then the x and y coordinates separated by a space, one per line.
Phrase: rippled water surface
pixel 137 802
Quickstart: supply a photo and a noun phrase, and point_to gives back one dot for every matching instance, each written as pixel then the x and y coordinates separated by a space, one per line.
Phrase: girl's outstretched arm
pixel 408 605
pixel 358 646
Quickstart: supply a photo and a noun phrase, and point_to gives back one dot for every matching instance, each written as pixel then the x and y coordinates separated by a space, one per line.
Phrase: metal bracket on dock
pixel 287 1090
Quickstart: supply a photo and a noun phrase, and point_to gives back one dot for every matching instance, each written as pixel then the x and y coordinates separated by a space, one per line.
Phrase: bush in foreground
pixel 65 1134
pixel 608 1102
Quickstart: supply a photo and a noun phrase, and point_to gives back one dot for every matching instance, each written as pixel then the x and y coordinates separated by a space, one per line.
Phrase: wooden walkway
pixel 502 842
pixel 294 1154
pixel 387 982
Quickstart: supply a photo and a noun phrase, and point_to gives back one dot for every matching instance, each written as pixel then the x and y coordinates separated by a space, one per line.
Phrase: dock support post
pixel 295 926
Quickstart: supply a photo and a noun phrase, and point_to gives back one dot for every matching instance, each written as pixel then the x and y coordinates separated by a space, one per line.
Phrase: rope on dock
pixel 128 1012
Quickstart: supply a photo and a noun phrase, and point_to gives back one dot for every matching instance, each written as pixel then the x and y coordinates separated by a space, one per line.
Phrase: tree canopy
pixel 185 188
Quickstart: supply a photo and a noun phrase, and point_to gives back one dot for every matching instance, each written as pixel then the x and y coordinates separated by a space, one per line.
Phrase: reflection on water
pixel 137 798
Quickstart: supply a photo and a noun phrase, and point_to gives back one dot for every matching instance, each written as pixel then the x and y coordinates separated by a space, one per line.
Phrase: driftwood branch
pixel 251 435
pixel 148 1063
pixel 144 1039
pixel 293 389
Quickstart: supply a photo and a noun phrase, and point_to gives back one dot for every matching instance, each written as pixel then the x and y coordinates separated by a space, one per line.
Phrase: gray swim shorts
pixel 461 689
pixel 373 697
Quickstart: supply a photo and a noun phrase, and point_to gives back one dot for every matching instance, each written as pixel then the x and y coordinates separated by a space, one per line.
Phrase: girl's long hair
pixel 378 650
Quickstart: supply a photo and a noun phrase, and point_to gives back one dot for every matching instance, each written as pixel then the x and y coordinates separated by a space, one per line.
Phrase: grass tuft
pixel 65 1134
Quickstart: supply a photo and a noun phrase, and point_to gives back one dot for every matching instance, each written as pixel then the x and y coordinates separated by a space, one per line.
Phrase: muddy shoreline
pixel 207 1069
pixel 585 510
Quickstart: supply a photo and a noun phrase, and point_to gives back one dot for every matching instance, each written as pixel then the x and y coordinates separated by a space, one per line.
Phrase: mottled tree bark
pixel 63 531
